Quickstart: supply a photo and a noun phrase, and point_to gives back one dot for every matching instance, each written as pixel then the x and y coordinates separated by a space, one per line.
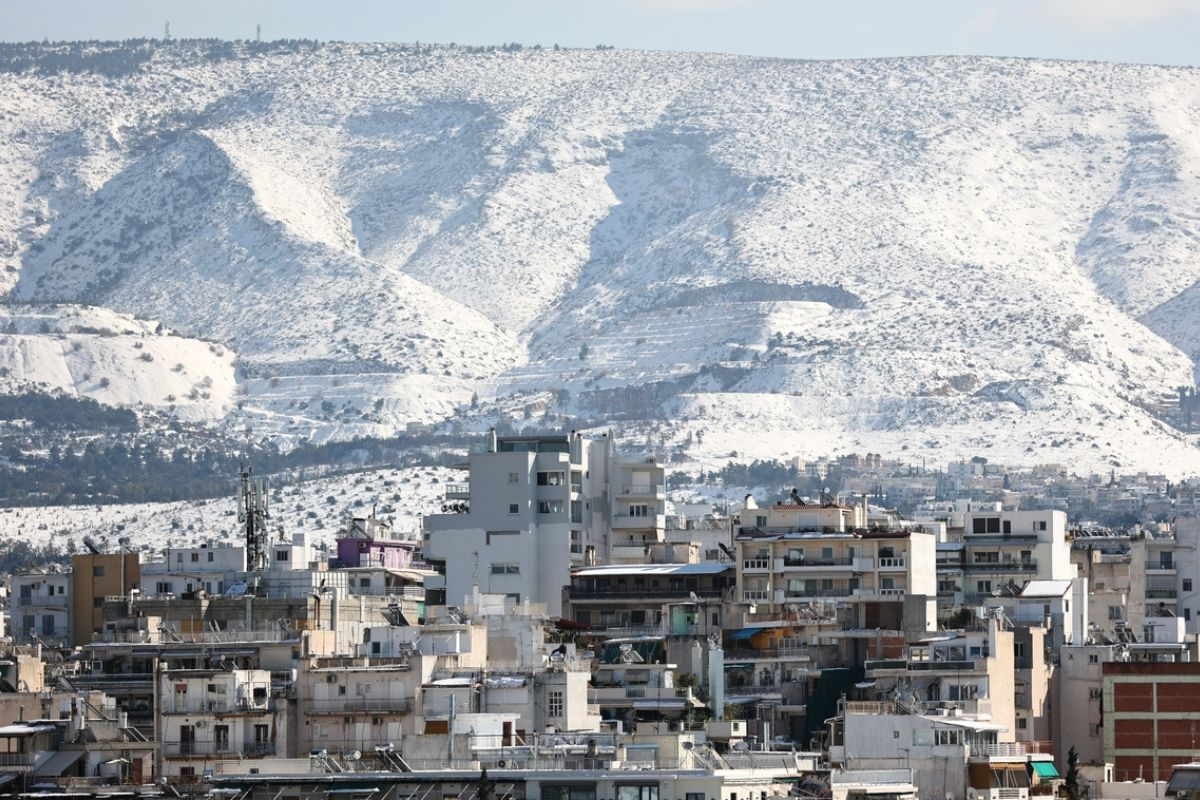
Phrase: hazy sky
pixel 1151 31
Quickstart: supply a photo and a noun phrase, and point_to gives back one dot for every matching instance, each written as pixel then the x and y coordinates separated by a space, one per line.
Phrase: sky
pixel 1145 31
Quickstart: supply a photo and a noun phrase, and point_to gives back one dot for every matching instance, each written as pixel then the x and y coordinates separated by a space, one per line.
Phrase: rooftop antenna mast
pixel 253 515
pixel 167 31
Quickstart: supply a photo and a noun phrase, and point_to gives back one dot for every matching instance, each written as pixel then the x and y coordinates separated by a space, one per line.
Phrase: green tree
pixel 1071 787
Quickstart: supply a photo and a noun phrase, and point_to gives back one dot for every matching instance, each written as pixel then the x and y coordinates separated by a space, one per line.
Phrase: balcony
pixel 56 601
pixel 755 595
pixel 891 564
pixel 1012 749
pixel 360 705
pixel 756 565
pixel 243 706
pixel 1160 568
pixel 890 665
pixel 627 594
pixel 17 761
pixel 458 491
pixel 656 491
pixel 639 521
pixel 1002 566
pixel 212 750
pixel 870 592
pixel 847 564
pixel 1161 594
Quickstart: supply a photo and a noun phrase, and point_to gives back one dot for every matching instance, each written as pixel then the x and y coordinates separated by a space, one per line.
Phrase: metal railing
pixel 756 563
pixel 789 561
pixel 891 563
pixel 17 759
pixel 644 491
pixel 357 704
pixel 1002 566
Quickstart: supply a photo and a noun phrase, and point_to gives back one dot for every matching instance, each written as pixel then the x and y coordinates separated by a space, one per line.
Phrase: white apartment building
pixel 639 499
pixel 535 507
pixel 40 606
pixel 209 715
pixel 183 570
pixel 1002 548
pixel 1186 570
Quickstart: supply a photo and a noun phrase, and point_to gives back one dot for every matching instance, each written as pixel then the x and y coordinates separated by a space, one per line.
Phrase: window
pixel 514 477
pixel 1187 584
pixel 262 734
pixel 576 481
pixel 554 707
pixel 985 525
pixel 506 569
pixel 637 792
pixel 1187 614
pixel 97 602
pixel 514 508
pixel 281 555
pixel 1093 658
pixel 1022 723
pixel 98 571
pixel 693 796
pixel 551 791
pixel 947 737
pixel 577 512
pixel 550 506
pixel 221 738
pixel 1041 526
pixel 488 536
pixel 1094 693
pixel 983 587
pixel 760 520
pixel 826 553
pixel 550 479
pixel 1114 612
pixel 163 587
pixel 195 557
pixel 47 624
pixel 376 648
pixel 639 510
pixel 210 557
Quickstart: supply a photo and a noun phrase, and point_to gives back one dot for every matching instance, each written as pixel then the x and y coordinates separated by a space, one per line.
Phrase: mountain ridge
pixel 944 255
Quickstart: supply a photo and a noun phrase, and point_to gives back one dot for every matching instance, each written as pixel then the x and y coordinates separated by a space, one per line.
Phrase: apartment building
pixel 790 554
pixel 534 508
pixel 638 508
pixel 1010 548
pixel 40 608
pixel 209 568
pixel 637 598
pixel 347 704
pixel 209 715
pixel 94 578
pixel 1080 713
pixel 956 757
pixel 1151 717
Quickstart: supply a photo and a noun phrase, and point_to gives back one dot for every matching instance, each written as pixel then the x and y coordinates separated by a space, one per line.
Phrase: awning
pixel 1185 778
pixel 743 634
pixel 57 763
pixel 1045 769
pixel 738 666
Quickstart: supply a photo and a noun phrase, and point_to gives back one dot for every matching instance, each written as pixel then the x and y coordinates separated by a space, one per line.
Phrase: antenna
pixel 253 515
pixel 258 32
pixel 167 31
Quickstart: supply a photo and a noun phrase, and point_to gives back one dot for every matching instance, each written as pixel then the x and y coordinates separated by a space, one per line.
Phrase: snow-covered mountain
pixel 944 256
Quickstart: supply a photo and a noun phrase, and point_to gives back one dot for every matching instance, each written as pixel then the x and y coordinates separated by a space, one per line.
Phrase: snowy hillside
pixel 936 257
pixel 319 508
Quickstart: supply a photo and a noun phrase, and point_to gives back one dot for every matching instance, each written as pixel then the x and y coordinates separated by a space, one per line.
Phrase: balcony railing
pixel 1161 594
pixel 1012 749
pixel 891 563
pixel 749 564
pixel 650 594
pixel 1002 566
pixel 790 562
pixel 458 491
pixel 1158 566
pixel 656 490
pixel 214 749
pixel 217 707
pixel 17 759
pixel 920 666
pixel 394 705
pixel 43 601
pixel 754 595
